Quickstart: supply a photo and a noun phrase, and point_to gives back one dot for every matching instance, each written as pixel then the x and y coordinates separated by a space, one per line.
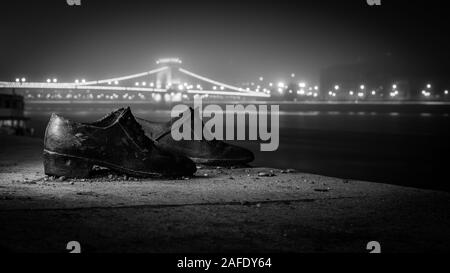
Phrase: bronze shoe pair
pixel 119 142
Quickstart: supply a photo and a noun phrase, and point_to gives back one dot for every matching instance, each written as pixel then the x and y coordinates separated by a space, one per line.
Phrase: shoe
pixel 214 152
pixel 116 142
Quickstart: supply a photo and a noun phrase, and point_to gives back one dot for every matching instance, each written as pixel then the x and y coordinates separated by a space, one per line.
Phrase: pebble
pixel 322 190
pixel 62 178
pixel 265 174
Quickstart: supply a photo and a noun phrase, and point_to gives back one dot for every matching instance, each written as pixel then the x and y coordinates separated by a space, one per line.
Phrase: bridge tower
pixel 165 78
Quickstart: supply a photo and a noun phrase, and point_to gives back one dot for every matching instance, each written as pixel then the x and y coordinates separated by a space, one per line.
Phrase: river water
pixel 397 144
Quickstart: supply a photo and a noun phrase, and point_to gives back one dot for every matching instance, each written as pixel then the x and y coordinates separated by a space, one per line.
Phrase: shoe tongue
pixel 128 121
pixel 125 114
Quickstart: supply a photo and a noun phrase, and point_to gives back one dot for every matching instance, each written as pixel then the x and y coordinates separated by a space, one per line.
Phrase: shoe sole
pixel 57 164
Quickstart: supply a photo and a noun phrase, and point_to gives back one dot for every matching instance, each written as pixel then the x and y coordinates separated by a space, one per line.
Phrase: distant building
pixel 12 119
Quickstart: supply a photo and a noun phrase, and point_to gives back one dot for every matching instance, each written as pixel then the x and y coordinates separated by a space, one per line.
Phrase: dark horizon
pixel 229 40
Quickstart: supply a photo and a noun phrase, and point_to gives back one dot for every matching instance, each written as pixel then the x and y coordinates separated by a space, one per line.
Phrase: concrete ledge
pixel 221 209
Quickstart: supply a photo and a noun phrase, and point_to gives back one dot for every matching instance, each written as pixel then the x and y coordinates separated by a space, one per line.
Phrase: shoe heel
pixel 62 165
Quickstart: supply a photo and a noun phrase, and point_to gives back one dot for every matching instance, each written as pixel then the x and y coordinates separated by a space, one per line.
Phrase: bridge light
pixel 116 82
pixel 222 88
pixel 293 75
pixel 83 81
pixel 49 81
pixel 17 80
pixel 152 84
pixel 77 81
pixel 270 84
pixel 214 87
pixel 144 83
pixel 374 92
pixel 136 83
pixel 180 87
pixel 55 80
pixel 24 80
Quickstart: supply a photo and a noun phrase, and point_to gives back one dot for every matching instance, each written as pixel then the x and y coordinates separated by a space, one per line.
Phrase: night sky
pixel 232 41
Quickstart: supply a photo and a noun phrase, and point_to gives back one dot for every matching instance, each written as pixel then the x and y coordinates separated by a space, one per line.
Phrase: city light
pixel 316 87
pixel 302 85
pixel 281 85
pixel 261 78
pixel 425 93
pixel 360 94
pixel 429 86
pixel 293 75
pixel 394 86
pixel 374 92
pixel 336 87
pixel 351 93
pixel 362 87
pixel 446 92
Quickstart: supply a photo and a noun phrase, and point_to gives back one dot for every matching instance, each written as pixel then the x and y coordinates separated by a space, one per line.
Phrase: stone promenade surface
pixel 219 210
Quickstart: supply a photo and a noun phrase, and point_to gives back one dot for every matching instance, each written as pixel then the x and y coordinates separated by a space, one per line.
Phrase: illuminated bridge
pixel 168 78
